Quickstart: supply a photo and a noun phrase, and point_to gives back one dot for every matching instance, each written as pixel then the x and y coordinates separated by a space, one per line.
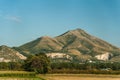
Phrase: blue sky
pixel 22 21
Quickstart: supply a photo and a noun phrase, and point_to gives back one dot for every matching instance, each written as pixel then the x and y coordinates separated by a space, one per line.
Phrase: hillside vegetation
pixel 78 44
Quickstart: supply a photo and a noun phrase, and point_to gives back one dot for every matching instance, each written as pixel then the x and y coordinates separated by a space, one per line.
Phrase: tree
pixel 38 63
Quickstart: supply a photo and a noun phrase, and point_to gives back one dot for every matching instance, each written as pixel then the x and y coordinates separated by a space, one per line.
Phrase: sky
pixel 22 21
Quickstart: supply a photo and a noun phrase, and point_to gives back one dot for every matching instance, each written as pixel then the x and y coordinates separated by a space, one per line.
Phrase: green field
pixel 79 77
pixel 18 75
pixel 22 75
pixel 8 78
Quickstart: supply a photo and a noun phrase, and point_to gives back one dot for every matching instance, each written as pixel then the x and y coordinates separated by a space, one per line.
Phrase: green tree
pixel 38 63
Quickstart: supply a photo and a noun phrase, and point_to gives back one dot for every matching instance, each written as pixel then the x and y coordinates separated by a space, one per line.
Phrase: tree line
pixel 40 63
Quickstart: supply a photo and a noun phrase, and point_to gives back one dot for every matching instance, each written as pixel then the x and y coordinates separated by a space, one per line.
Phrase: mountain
pixel 76 43
pixel 7 54
pixel 42 44
pixel 80 43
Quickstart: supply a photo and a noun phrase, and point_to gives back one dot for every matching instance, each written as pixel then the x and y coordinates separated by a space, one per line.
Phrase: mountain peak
pixel 3 47
pixel 78 29
pixel 45 37
pixel 76 32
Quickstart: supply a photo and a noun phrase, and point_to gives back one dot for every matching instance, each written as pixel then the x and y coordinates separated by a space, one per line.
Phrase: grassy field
pixel 22 75
pixel 8 78
pixel 79 77
pixel 18 75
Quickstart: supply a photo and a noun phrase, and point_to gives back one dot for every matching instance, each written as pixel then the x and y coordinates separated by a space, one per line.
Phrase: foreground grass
pixel 23 75
pixel 13 78
pixel 18 75
pixel 80 77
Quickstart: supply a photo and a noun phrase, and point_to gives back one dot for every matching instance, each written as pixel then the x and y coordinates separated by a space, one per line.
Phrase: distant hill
pixel 75 43
pixel 7 55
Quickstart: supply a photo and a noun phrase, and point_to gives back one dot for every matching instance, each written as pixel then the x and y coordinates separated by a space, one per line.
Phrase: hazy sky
pixel 22 21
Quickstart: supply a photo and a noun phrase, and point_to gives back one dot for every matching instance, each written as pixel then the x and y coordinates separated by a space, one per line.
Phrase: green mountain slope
pixel 76 43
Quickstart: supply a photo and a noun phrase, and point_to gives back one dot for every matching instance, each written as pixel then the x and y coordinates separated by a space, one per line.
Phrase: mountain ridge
pixel 74 42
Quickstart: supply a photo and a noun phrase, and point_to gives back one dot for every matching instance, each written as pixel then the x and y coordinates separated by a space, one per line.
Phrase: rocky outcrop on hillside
pixel 10 55
pixel 59 55
pixel 105 56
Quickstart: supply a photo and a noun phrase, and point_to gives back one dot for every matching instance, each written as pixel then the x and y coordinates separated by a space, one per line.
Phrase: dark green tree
pixel 38 63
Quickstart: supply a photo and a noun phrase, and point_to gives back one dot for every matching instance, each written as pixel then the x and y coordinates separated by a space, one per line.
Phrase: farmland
pixel 18 75
pixel 19 78
pixel 23 75
pixel 80 77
